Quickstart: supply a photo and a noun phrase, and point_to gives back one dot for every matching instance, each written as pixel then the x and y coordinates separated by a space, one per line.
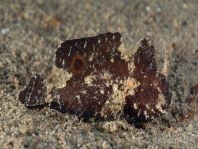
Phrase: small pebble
pixel 5 30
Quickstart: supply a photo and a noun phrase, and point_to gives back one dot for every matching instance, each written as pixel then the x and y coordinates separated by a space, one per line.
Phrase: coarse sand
pixel 31 31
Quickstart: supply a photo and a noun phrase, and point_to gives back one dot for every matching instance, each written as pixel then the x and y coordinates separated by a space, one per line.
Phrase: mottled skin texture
pixel 35 93
pixel 102 84
pixel 152 84
pixel 99 49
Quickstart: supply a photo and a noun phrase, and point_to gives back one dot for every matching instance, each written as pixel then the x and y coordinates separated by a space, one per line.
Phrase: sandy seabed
pixel 30 33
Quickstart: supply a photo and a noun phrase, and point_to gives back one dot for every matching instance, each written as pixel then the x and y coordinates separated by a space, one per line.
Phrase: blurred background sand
pixel 30 33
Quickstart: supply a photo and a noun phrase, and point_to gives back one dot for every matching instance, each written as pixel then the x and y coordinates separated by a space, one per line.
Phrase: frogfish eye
pixel 78 63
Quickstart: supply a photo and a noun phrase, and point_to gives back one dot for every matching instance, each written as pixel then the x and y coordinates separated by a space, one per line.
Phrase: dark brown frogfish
pixel 106 81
